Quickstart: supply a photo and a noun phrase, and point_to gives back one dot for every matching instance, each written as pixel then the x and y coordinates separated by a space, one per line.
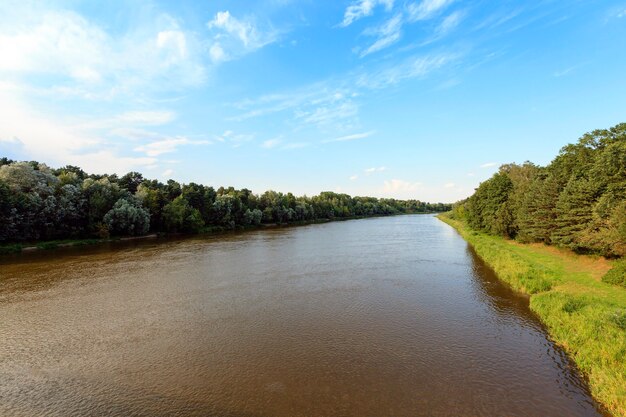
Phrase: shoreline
pixel 30 247
pixel 583 315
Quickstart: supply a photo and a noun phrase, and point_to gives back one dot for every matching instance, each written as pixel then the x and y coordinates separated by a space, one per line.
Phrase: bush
pixel 128 217
pixel 617 275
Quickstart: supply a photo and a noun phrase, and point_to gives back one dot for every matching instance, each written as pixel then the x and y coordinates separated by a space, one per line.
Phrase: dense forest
pixel 577 202
pixel 40 203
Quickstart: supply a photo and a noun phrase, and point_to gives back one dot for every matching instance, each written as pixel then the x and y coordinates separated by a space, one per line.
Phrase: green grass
pixel 617 275
pixel 48 244
pixel 583 314
pixel 10 248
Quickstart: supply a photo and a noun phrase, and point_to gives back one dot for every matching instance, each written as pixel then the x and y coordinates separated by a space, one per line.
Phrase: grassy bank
pixel 584 315
pixel 66 243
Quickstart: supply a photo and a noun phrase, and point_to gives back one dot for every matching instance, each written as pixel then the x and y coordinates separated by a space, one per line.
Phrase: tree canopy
pixel 578 201
pixel 40 203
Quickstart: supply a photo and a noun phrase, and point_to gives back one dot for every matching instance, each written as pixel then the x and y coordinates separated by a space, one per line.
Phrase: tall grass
pixel 584 315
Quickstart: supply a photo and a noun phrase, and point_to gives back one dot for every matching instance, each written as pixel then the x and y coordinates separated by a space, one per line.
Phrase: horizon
pixel 409 100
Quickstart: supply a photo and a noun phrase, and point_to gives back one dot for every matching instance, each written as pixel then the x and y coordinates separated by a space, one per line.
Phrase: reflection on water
pixel 377 317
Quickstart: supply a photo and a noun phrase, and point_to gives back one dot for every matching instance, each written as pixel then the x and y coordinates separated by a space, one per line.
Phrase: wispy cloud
pixel 396 186
pixel 235 138
pixel 387 34
pixel 296 145
pixel 354 178
pixel 271 143
pixel 328 114
pixel 355 136
pixel 413 67
pixel 318 103
pixel 167 145
pixel 499 18
pixel 374 169
pixel 568 70
pixel 426 9
pixel 236 37
pixel 362 8
pixel 489 165
pixel 152 118
pixel 449 23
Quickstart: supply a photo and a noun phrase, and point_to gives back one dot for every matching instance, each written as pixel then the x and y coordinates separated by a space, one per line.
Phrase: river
pixel 391 316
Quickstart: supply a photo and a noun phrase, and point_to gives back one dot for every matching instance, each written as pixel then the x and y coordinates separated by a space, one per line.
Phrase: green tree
pixel 179 216
pixel 128 217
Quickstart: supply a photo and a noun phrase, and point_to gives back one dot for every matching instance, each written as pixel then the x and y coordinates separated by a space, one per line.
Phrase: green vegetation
pixel 38 203
pixel 577 202
pixel 544 230
pixel 617 275
pixel 583 315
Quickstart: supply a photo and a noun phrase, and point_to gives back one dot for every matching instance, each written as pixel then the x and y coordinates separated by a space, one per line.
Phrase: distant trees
pixel 37 202
pixel 578 201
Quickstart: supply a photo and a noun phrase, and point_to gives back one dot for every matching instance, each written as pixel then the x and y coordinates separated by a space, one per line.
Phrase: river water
pixel 379 317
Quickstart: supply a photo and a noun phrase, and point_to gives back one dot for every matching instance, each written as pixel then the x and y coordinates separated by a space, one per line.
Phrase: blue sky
pixel 407 99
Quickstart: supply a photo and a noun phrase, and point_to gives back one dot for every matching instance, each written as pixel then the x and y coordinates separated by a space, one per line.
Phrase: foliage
pixel 127 217
pixel 38 203
pixel 577 202
pixel 617 275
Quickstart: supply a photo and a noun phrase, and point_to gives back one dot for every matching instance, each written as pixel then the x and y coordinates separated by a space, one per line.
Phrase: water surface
pixel 379 317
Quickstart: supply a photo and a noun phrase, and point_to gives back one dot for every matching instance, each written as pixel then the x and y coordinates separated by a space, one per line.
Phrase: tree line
pixel 40 203
pixel 578 201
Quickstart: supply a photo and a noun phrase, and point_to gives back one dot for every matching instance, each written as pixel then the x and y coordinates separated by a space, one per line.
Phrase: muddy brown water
pixel 378 317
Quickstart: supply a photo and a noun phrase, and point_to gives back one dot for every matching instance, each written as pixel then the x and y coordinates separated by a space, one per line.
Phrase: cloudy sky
pixel 405 98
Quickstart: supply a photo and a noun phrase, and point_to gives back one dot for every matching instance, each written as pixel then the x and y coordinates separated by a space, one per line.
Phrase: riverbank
pixel 12 248
pixel 582 314
pixel 54 244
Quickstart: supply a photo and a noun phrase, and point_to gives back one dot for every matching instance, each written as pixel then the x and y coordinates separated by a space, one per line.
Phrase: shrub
pixel 617 275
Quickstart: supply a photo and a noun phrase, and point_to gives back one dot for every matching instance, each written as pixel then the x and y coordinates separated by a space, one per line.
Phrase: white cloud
pixel 153 118
pixel 167 145
pixel 449 23
pixel 217 54
pixel 449 185
pixel 426 9
pixel 489 165
pixel 320 104
pixel 363 8
pixel 354 177
pixel 271 143
pixel 333 113
pixel 167 173
pixel 296 145
pixel 59 43
pixel 236 37
pixel 569 70
pixel 236 138
pixel 414 67
pixel 375 169
pixel 173 41
pixel 57 142
pixel 355 136
pixel 396 186
pixel 388 34
pixel 74 56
